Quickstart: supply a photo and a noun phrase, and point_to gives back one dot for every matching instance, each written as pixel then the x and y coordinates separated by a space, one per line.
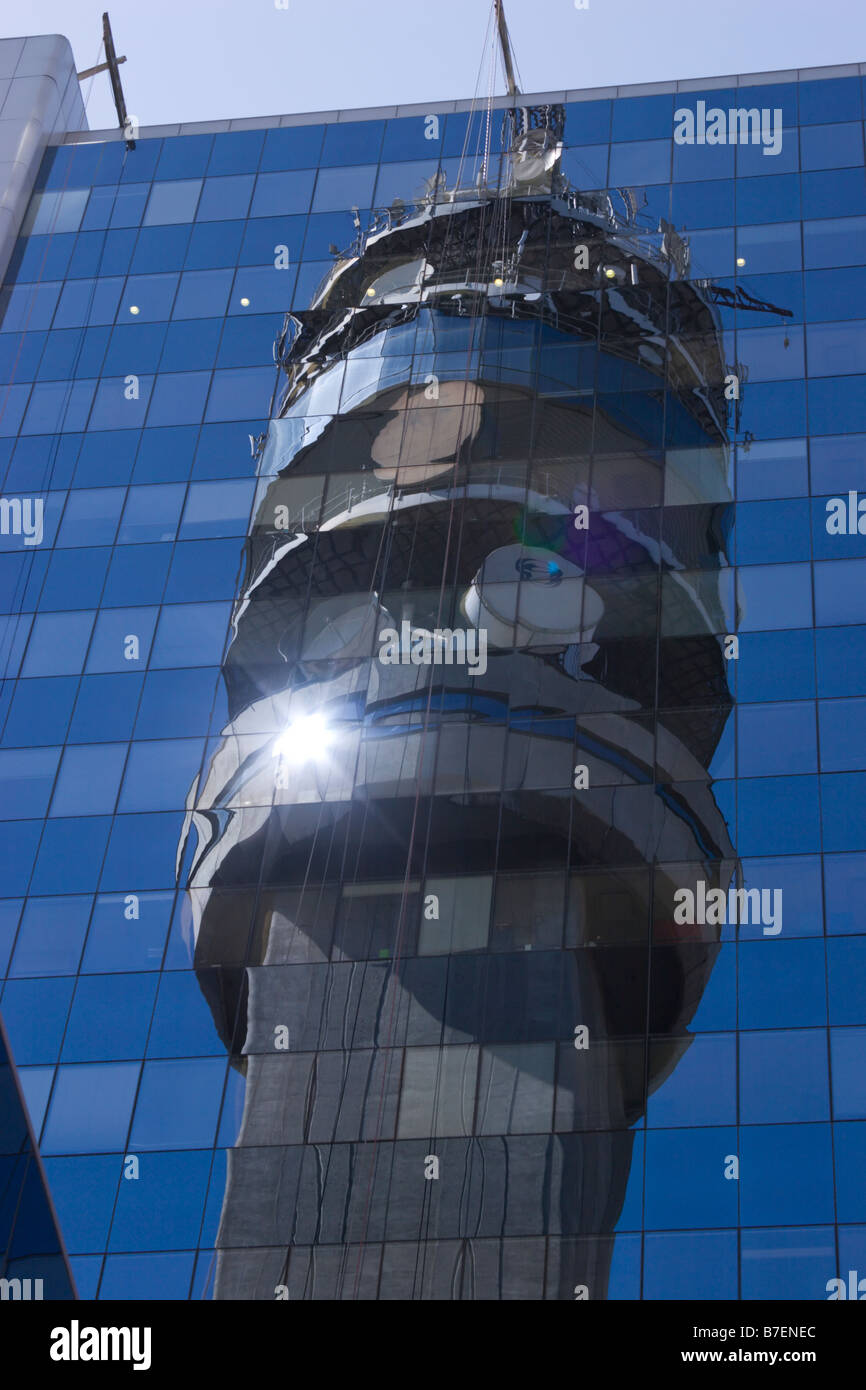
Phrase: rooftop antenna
pixel 111 65
pixel 505 45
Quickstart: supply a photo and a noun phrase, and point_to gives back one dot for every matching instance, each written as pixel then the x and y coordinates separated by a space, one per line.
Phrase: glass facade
pixel 430 561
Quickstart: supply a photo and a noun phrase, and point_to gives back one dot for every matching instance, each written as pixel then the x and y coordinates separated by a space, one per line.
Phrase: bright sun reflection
pixel 304 739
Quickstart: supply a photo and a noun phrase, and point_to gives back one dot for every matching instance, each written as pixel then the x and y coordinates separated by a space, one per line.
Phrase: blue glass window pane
pixel 464 134
pixel 641 118
pixel 153 1276
pixel 151 295
pixel 224 450
pixel 127 932
pixel 848 1050
pixel 782 984
pixel 845 894
pixel 850 1153
pixel 16 398
pixel 310 276
pixel 773 199
pixel 160 248
pixel 10 911
pixel 137 575
pixel 702 205
pixel 282 193
pixel 34 1012
pixel 831 146
pixel 829 99
pixel 58 406
pixel 846 970
pixel 51 936
pixel 260 288
pixel 129 203
pixel 183 1025
pixel 70 855
pixel 696 1198
pixel 223 198
pixel 105 708
pixel 249 341
pixel 837 348
pixel 834 193
pixel 87 301
pixel 405 181
pixel 834 242
pixel 184 156
pixel 690 1264
pixel 203 293
pixel 217 509
pixel 178 1104
pixel 843 735
pixel 109 1018
pixel 767 249
pixel 159 774
pixel 26 778
pixel 412 137
pixel 28 306
pixel 165 455
pixel 134 347
pixel 777 815
pixel 40 711
pixel 702 1090
pixel 214 244
pixel 178 398
pixel 91 516
pixel 91 1108
pixel 586 122
pixel 117 250
pixel 191 634
pixel 703 161
pixel 172 202
pixel 803 1153
pixel 151 513
pixel 163 1210
pixel 839 593
pixel 14 633
pixel 352 142
pixel 798 879
pixel 141 162
pixel 190 344
pixel 835 294
pixel 84 1190
pixel 112 648
pixel 58 644
pixel 337 188
pixel 53 211
pixel 141 853
pixel 177 704
pixel 784 1077
pixel 773 739
pixel 843 811
pixel 296 147
pixel 202 570
pixel 585 166
pixel 774 596
pixel 105 458
pixel 264 235
pixel 240 392
pixel 89 780
pixel 75 579
pixel 641 161
pixel 236 152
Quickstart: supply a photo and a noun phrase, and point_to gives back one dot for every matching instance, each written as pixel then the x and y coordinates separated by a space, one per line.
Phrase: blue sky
pixel 207 59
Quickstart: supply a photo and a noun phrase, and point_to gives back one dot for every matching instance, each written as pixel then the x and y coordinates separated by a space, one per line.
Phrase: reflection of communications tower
pixel 432 906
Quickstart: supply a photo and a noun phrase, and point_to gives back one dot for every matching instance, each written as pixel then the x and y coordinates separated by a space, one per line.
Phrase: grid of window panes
pixel 136 362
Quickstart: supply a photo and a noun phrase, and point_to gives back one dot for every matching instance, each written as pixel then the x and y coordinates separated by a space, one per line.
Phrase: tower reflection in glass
pixel 476 680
